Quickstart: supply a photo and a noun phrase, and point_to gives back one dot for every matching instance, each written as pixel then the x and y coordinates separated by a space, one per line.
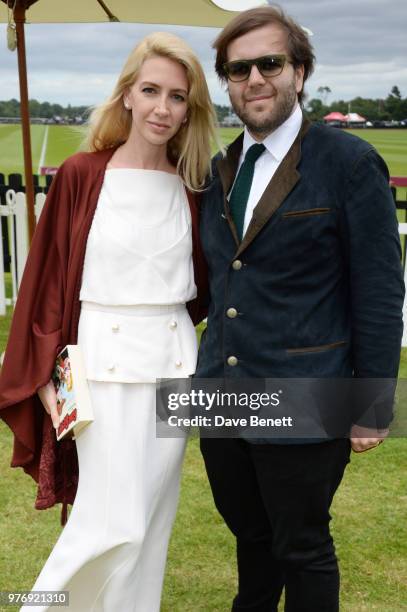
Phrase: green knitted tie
pixel 241 188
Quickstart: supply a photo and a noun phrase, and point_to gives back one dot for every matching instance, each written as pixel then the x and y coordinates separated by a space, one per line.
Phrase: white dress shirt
pixel 277 146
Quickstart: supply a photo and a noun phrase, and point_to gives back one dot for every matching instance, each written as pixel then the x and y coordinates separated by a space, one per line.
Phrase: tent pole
pixel 19 18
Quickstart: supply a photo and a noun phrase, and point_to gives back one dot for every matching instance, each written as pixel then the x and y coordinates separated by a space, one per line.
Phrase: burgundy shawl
pixel 46 318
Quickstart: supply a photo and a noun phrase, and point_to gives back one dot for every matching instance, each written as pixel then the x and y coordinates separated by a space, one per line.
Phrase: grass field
pixel 369 511
pixel 65 140
pixel 62 142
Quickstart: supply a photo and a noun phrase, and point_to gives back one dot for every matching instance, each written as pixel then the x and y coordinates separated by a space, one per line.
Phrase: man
pixel 300 234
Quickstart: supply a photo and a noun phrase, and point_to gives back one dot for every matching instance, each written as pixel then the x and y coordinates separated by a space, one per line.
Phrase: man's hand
pixel 364 438
pixel 48 398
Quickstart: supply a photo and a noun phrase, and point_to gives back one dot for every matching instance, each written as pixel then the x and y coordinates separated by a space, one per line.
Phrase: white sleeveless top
pixel 140 241
pixel 138 274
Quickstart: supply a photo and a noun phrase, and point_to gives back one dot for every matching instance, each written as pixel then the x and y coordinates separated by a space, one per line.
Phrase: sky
pixel 360 45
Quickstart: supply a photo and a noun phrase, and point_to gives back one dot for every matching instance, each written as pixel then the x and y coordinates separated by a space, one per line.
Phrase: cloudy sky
pixel 361 49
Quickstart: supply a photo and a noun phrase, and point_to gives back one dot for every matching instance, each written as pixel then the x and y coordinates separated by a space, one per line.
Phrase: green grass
pixel 369 511
pixel 62 142
pixel 392 146
pixel 65 140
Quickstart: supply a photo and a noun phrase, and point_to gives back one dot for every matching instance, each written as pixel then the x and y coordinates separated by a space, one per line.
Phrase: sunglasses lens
pixel 238 70
pixel 270 66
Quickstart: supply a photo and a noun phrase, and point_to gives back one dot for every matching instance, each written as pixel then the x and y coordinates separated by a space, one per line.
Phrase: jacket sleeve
pixel 35 334
pixel 198 308
pixel 372 249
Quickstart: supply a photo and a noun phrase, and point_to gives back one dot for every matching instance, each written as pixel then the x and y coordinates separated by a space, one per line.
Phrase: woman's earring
pixel 185 120
pixel 127 105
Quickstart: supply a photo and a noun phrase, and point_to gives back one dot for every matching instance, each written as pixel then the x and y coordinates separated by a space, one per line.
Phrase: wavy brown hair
pixel 299 47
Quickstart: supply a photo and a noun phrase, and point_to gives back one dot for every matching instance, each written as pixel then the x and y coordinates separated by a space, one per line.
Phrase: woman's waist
pixel 134 343
pixel 141 310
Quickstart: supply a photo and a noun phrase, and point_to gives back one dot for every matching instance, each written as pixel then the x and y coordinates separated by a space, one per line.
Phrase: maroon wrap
pixel 46 318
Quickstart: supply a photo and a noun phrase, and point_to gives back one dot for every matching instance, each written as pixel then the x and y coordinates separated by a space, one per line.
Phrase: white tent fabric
pixel 354 118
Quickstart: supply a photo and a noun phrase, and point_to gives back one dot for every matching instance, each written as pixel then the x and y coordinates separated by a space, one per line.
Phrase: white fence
pixel 16 213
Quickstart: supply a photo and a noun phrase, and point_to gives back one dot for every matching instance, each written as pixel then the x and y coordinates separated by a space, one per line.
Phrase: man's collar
pixel 279 141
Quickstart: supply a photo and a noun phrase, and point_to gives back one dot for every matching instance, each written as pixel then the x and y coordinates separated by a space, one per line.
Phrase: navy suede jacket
pixel 317 281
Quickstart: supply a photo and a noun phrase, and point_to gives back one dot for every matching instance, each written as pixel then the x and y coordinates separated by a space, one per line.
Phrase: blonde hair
pixel 190 148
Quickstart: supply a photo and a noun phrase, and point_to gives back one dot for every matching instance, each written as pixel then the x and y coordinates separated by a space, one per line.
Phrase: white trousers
pixel 111 554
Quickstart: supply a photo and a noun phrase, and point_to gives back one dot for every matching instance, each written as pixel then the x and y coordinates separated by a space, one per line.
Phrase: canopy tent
pixel 334 117
pixel 355 118
pixel 215 13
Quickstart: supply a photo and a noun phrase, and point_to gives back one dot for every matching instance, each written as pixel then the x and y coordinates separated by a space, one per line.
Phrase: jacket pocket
pixel 310 212
pixel 315 349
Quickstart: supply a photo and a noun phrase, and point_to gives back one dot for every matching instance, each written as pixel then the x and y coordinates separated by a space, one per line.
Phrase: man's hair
pixel 298 44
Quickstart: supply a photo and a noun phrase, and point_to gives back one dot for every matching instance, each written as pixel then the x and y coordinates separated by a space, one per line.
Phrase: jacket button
pixel 178 364
pixel 232 360
pixel 237 264
pixel 115 327
pixel 111 367
pixel 173 325
pixel 231 313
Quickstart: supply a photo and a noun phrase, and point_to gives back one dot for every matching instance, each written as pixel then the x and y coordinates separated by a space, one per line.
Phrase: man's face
pixel 264 103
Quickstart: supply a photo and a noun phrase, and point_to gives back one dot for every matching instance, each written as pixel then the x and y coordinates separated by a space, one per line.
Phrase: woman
pixel 111 268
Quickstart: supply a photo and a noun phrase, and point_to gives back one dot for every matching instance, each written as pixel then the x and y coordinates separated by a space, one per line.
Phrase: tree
pixel 395 105
pixel 324 92
pixel 395 92
pixel 315 110
pixel 222 112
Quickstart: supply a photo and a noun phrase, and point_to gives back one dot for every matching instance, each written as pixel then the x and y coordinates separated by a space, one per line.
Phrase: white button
pixel 178 364
pixel 173 325
pixel 111 367
pixel 237 264
pixel 231 313
pixel 115 327
pixel 232 360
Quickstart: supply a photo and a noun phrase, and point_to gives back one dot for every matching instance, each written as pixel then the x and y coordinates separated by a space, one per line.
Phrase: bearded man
pixel 301 238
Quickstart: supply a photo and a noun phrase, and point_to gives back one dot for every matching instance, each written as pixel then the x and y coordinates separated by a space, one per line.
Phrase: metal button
pixel 232 360
pixel 178 364
pixel 237 264
pixel 111 367
pixel 173 325
pixel 231 313
pixel 115 327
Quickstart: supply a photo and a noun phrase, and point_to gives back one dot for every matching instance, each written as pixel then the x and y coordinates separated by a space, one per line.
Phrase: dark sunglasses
pixel 268 66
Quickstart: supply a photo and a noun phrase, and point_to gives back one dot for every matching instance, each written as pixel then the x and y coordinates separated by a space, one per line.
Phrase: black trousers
pixel 275 499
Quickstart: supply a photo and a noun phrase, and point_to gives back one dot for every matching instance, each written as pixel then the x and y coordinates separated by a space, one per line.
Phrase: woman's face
pixel 158 100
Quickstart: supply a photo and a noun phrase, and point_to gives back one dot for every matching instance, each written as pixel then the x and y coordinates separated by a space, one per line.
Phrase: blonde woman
pixel 114 266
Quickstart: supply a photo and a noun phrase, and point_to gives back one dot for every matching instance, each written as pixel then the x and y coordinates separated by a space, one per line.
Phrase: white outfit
pixel 133 329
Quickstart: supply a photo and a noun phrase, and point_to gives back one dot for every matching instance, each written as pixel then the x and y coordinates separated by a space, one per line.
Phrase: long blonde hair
pixel 190 148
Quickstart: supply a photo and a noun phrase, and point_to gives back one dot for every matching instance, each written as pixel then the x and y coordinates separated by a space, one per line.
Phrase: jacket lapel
pixel 227 167
pixel 282 183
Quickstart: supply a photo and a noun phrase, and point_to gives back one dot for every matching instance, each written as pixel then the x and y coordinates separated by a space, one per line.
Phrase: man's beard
pixel 280 113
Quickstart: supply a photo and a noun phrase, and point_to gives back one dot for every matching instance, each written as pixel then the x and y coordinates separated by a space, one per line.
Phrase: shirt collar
pixel 278 142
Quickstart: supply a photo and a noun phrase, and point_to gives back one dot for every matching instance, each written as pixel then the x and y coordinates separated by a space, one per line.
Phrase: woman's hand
pixel 48 398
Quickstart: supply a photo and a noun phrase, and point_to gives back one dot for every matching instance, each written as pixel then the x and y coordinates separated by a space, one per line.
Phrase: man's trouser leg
pixel 238 499
pixel 276 499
